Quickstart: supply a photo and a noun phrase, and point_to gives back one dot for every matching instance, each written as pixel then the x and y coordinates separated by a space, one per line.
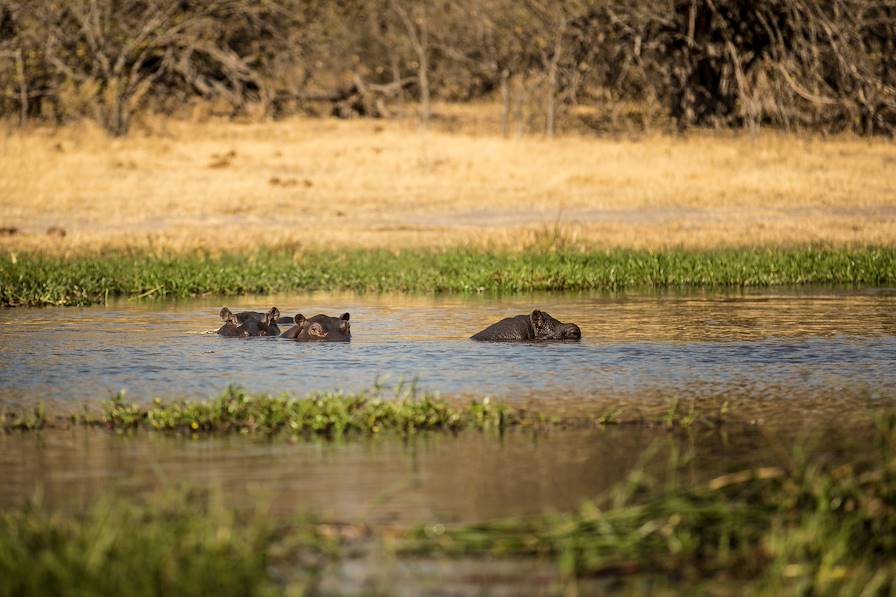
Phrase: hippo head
pixel 231 327
pixel 548 328
pixel 268 325
pixel 249 323
pixel 323 328
pixel 271 316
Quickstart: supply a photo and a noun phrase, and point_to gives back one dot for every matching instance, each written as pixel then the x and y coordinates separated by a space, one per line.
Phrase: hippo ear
pixel 225 313
pixel 274 312
pixel 300 319
pixel 344 317
pixel 537 319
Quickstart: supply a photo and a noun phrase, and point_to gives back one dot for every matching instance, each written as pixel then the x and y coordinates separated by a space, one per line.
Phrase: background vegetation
pixel 797 64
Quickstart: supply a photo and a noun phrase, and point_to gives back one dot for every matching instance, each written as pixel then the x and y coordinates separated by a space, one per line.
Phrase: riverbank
pixel 35 279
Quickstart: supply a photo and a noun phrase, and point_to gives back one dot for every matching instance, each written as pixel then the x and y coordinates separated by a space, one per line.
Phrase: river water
pixel 796 352
pixel 770 343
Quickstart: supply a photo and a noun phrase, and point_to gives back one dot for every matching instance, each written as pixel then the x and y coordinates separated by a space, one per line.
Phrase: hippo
pixel 249 326
pixel 243 316
pixel 320 328
pixel 538 325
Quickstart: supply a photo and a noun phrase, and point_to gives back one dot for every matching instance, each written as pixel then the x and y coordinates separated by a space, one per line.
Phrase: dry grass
pixel 219 185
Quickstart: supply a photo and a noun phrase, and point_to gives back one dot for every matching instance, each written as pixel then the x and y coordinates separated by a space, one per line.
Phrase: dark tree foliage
pixel 826 65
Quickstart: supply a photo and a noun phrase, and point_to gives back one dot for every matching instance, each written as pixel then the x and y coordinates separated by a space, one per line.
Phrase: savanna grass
pixel 35 279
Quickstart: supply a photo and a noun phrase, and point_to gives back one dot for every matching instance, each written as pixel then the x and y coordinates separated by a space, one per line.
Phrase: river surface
pixel 794 352
pixel 770 343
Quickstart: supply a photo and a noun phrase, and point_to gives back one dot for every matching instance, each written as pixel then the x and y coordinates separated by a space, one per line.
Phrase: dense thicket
pixel 819 64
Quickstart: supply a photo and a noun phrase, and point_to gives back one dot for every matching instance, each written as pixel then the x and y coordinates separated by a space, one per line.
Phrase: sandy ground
pixel 313 183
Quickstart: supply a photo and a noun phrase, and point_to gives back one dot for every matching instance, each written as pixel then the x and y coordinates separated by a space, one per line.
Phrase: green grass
pixel 802 525
pixel 176 543
pixel 33 279
pixel 335 414
pixel 326 414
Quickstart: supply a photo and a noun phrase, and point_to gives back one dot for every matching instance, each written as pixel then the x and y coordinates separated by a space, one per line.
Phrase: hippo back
pixel 508 329
pixel 538 325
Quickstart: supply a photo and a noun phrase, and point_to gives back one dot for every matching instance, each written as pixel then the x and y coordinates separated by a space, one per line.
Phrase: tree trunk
pixel 553 68
pixel 23 88
pixel 423 72
pixel 550 122
pixel 396 74
pixel 418 34
pixel 505 99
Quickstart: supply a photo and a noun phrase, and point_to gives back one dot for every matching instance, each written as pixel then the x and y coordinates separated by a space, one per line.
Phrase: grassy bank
pixel 799 525
pixel 35 279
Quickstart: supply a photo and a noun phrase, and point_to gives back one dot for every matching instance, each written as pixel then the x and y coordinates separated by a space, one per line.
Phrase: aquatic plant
pixel 36 279
pixel 35 420
pixel 329 414
pixel 377 410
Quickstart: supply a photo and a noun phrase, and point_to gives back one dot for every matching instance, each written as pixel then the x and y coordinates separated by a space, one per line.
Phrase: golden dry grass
pixel 312 183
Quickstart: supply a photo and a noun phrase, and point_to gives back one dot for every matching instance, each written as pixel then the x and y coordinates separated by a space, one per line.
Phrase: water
pixel 794 354
pixel 770 343
pixel 803 359
pixel 470 477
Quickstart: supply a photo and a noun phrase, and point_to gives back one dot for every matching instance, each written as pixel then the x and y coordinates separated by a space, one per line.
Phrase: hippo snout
pixel 572 332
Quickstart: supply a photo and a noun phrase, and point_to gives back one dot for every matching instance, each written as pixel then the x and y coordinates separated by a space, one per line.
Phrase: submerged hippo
pixel 538 325
pixel 244 316
pixel 265 325
pixel 320 328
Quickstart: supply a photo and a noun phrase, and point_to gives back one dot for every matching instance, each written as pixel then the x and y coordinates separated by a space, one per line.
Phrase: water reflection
pixel 471 477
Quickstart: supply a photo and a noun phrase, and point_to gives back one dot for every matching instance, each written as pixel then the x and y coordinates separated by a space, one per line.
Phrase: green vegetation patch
pixel 324 414
pixel 175 543
pixel 34 279
pixel 335 414
pixel 330 414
